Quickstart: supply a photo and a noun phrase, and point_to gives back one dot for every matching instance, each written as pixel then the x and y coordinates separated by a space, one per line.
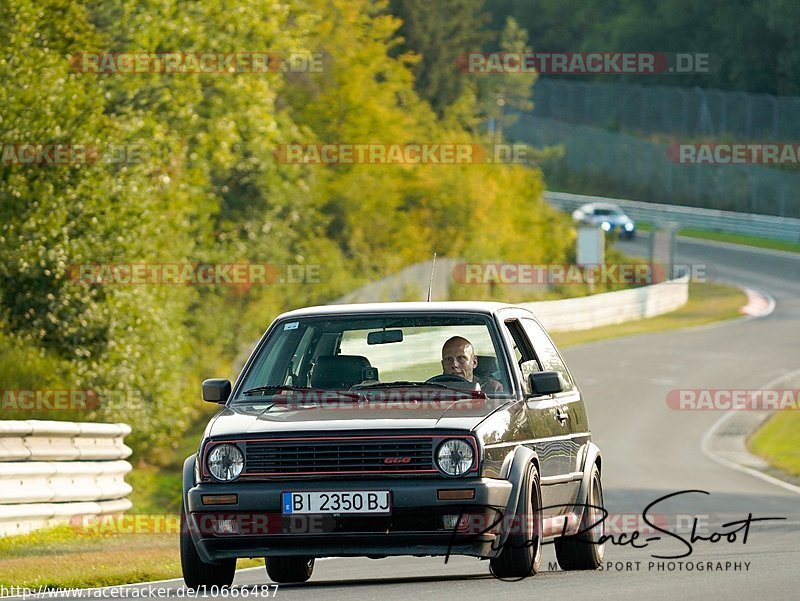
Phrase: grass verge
pixel 96 557
pixel 707 303
pixel 778 441
pixel 742 239
pixel 65 557
pixel 756 241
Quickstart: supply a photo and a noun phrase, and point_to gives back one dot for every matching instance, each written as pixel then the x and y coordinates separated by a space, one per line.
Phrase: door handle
pixel 561 415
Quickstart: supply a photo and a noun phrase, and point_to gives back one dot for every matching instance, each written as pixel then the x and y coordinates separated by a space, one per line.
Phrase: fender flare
pixel 523 457
pixel 591 456
pixel 188 480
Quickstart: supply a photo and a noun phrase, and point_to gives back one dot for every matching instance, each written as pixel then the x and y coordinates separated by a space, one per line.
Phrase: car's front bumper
pixel 415 526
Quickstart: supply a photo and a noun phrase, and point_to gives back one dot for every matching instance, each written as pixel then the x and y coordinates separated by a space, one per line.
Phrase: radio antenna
pixel 430 284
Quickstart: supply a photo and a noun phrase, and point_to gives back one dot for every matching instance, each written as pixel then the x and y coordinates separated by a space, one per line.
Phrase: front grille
pixel 345 455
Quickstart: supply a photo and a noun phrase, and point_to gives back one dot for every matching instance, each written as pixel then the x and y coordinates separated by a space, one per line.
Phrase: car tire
pixel 289 569
pixel 522 553
pixel 583 551
pixel 196 572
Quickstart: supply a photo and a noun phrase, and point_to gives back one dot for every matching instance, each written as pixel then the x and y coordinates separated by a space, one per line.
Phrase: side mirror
pixel 216 390
pixel 546 382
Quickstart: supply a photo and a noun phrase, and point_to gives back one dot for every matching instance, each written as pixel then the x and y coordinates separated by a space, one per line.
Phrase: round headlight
pixel 225 462
pixel 454 457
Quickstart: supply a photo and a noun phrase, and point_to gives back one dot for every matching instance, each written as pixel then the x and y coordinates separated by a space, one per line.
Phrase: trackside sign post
pixel 590 248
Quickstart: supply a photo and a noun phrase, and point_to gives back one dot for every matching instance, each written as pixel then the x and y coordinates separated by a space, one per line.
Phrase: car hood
pixel 262 417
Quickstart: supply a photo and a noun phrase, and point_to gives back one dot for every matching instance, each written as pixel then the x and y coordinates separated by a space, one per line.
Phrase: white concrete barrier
pixel 51 471
pixel 20 519
pixel 611 308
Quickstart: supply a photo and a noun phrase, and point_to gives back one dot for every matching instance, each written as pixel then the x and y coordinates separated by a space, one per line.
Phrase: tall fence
pixel 51 472
pixel 669 109
pixel 599 161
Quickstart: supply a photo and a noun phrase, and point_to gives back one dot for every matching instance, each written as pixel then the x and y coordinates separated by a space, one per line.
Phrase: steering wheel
pixel 444 378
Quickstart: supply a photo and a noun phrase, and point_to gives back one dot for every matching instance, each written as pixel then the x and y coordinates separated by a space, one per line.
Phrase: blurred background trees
pixel 206 187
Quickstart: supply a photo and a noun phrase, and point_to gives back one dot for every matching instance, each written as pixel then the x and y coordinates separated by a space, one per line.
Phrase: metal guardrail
pixel 765 226
pixel 52 471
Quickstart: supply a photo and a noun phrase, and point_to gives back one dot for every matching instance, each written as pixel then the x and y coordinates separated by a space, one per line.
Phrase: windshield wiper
pixel 287 387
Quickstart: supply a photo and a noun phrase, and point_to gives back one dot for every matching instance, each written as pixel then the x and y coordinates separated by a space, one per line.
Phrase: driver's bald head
pixel 458 357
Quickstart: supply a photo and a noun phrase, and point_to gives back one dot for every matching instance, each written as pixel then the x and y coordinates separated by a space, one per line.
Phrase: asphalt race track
pixel 649 451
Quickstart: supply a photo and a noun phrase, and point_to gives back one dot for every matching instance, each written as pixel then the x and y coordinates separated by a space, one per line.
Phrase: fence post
pixel 774 102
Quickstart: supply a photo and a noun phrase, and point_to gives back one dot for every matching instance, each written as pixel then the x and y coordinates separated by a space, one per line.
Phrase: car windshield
pixel 607 212
pixel 370 354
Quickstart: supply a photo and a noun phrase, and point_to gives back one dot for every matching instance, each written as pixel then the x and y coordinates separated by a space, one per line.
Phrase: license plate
pixel 357 501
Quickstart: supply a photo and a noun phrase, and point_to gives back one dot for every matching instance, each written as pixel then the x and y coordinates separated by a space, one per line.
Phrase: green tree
pixel 55 217
pixel 438 32
pixel 783 17
pixel 498 91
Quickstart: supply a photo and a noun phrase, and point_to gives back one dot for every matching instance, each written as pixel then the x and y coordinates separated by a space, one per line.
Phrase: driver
pixel 458 359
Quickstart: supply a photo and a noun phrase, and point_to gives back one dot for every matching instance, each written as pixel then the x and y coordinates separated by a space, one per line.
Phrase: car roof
pixel 487 308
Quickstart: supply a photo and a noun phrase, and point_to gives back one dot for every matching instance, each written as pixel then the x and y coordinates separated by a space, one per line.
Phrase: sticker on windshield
pixel 291 326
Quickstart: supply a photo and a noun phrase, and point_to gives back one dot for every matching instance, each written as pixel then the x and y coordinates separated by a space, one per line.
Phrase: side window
pixel 297 374
pixel 546 352
pixel 522 349
pixel 273 364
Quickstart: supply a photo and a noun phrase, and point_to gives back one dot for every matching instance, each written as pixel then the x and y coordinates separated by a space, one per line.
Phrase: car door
pixel 542 432
pixel 568 421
